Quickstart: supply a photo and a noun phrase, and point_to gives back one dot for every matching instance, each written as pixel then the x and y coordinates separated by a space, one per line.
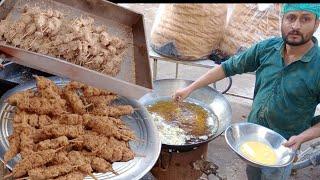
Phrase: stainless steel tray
pixel 121 22
pixel 148 144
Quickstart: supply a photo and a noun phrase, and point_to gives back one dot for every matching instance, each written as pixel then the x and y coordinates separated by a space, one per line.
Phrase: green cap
pixel 310 7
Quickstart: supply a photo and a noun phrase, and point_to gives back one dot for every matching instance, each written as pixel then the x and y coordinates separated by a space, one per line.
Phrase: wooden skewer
pixel 88 105
pixel 23 178
pixel 8 175
pixel 30 46
pixel 13 35
pixel 114 172
pixel 74 21
pixel 89 61
pixel 60 148
pixel 139 140
pixel 103 70
pixel 75 141
pixel 43 31
pixel 90 174
pixel 9 111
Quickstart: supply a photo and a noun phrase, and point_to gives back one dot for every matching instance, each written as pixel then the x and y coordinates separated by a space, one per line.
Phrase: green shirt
pixel 285 97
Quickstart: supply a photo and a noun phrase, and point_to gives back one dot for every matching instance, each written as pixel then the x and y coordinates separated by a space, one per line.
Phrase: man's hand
pixel 294 142
pixel 181 94
pixel 307 135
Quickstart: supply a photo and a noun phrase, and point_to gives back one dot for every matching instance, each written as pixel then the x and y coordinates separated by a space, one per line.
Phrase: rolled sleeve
pixel 246 61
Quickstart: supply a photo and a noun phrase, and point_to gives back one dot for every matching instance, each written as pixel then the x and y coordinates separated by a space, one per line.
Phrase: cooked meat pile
pixel 67 132
pixel 77 40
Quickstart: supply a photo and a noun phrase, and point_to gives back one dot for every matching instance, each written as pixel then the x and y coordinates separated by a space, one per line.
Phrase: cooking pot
pixel 206 97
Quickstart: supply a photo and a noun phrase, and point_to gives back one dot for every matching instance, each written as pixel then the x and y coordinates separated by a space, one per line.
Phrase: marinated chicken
pixel 65 137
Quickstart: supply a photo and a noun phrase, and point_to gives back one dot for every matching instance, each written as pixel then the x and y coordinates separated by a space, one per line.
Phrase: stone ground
pixel 230 165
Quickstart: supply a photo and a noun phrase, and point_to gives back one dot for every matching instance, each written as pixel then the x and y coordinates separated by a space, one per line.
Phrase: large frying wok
pixel 207 97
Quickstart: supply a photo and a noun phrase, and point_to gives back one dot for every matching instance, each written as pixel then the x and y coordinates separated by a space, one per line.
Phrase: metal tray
pixel 120 22
pixel 148 144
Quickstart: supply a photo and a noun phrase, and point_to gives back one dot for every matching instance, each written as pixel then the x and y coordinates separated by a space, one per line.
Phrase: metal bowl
pixel 207 97
pixel 238 133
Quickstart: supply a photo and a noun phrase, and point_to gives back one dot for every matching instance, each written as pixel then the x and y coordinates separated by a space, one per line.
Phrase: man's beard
pixel 303 40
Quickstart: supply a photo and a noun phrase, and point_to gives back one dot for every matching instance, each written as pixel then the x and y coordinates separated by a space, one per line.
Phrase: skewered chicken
pixel 14 141
pixel 33 160
pixel 38 105
pixel 60 141
pixel 71 176
pixel 77 40
pixel 52 143
pixel 42 173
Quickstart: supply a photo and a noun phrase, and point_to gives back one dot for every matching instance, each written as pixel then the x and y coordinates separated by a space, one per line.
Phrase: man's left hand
pixel 294 142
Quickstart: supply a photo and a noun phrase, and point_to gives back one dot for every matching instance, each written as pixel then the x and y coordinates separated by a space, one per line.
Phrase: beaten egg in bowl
pixel 259 152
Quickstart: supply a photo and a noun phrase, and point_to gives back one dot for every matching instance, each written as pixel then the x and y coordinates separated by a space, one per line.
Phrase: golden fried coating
pixel 39 105
pixel 75 175
pixel 41 173
pixel 14 142
pixel 113 111
pixel 58 134
pixel 52 143
pixel 75 102
pixel 33 160
pixel 57 130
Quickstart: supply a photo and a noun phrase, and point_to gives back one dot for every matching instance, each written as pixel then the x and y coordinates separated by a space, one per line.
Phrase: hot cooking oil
pixel 189 116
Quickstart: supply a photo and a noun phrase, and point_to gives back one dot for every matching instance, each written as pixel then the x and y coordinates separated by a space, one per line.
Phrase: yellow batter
pixel 259 152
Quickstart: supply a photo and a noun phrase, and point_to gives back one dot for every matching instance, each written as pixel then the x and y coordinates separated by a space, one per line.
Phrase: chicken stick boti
pixel 14 142
pixel 47 88
pixel 109 149
pixel 38 105
pixel 71 131
pixel 33 160
pixel 98 164
pixel 83 164
pixel 67 143
pixel 113 111
pixel 42 173
pixel 89 91
pixel 76 175
pixel 75 102
pixel 52 143
pixel 105 126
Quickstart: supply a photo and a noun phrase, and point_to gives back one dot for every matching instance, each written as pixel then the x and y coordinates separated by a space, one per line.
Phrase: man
pixel 287 88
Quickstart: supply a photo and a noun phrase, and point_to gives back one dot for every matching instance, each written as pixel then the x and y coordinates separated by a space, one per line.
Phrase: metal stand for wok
pixel 207 63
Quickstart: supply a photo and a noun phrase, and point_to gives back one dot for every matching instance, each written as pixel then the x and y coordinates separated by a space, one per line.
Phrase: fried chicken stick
pixel 38 105
pixel 97 141
pixel 75 175
pixel 14 142
pixel 71 131
pixel 52 143
pixel 42 173
pixel 105 126
pixel 33 160
pixel 113 111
